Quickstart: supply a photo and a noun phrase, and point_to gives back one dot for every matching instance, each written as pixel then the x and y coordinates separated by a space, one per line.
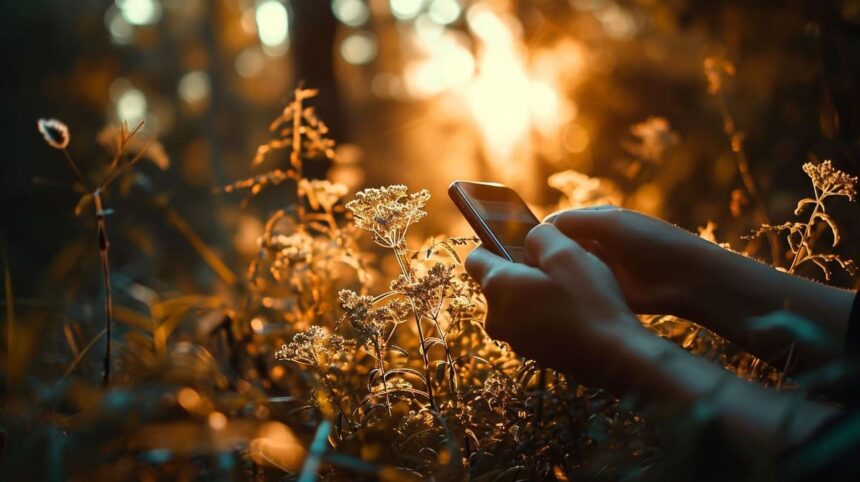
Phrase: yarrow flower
pixel 292 249
pixel 323 193
pixel 716 70
pixel 830 181
pixel 387 212
pixel 314 347
pixel 654 136
pixel 428 291
pixel 582 190
pixel 371 323
pixel 55 132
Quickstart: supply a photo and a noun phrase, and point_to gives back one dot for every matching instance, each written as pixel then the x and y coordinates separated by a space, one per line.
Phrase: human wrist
pixel 633 358
pixel 705 281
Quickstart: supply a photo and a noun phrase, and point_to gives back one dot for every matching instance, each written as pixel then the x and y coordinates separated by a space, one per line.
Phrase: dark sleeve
pixel 833 450
pixel 848 390
pixel 830 454
pixel 852 335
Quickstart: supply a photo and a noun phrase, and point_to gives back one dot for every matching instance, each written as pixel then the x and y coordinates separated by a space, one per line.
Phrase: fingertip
pixel 479 261
pixel 552 217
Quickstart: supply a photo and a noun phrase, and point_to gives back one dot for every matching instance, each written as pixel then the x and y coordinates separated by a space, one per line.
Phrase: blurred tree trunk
pixel 313 40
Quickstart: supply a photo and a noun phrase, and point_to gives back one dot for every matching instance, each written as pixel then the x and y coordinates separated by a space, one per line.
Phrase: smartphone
pixel 498 215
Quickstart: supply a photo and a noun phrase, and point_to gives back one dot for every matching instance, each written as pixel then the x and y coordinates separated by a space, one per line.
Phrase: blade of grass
pixel 209 256
pixel 10 308
pixel 83 353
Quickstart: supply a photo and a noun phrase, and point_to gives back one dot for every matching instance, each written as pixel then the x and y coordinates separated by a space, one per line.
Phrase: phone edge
pixel 456 194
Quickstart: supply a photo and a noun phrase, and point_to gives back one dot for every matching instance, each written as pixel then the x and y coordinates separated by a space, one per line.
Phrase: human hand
pixel 565 309
pixel 661 268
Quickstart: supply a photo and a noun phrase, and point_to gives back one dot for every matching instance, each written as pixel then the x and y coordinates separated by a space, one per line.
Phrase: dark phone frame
pixel 462 200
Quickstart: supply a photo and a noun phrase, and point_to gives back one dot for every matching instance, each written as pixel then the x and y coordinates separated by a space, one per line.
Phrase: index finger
pixel 480 261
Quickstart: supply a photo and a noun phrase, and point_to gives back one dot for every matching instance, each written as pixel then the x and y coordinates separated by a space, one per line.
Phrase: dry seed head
pixel 314 346
pixel 387 212
pixel 582 190
pixel 831 181
pixel 55 132
pixel 370 322
pixel 323 193
pixel 654 136
pixel 715 70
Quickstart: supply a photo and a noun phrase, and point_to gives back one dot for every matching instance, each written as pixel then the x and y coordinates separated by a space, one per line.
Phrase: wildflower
pixel 826 181
pixel 388 212
pixel 428 291
pixel 371 323
pixel 55 132
pixel 715 70
pixel 654 137
pixel 314 347
pixel 294 248
pixel 829 181
pixel 393 384
pixel 323 193
pixel 582 190
pixel 499 389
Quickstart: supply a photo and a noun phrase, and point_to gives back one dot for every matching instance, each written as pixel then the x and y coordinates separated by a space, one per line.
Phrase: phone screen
pixel 503 213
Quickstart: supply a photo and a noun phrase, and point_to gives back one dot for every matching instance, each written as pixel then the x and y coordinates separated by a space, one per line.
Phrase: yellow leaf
pixel 83 203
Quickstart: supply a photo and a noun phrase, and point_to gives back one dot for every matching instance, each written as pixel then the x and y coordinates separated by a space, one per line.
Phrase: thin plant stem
pixel 296 158
pixel 795 262
pixel 452 373
pixel 421 348
pixel 378 346
pixel 74 166
pixel 104 251
pixel 736 144
pixel 323 375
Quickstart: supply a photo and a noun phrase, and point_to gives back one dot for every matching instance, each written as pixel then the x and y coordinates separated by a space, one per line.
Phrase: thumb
pixel 599 223
pixel 550 250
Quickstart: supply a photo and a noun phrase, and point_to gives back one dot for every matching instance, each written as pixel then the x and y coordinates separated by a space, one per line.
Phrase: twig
pixel 104 250
pixel 737 146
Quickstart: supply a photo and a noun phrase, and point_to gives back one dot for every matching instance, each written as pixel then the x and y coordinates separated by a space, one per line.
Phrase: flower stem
pixel 736 144
pixel 104 250
pixel 428 382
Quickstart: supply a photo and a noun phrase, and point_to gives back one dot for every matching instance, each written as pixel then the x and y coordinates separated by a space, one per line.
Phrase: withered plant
pixel 57 135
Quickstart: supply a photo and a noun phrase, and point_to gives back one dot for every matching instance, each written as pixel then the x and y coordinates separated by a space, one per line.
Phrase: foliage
pixel 302 371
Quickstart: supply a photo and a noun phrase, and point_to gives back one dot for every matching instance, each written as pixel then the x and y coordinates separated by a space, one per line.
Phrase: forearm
pixel 659 372
pixel 732 288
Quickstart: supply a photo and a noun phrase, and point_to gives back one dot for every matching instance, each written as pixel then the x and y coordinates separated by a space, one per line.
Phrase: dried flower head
pixel 826 181
pixel 499 389
pixel 387 212
pixel 830 181
pixel 654 136
pixel 55 132
pixel 314 347
pixel 293 248
pixel 428 291
pixel 322 193
pixel 581 190
pixel 715 70
pixel 371 323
